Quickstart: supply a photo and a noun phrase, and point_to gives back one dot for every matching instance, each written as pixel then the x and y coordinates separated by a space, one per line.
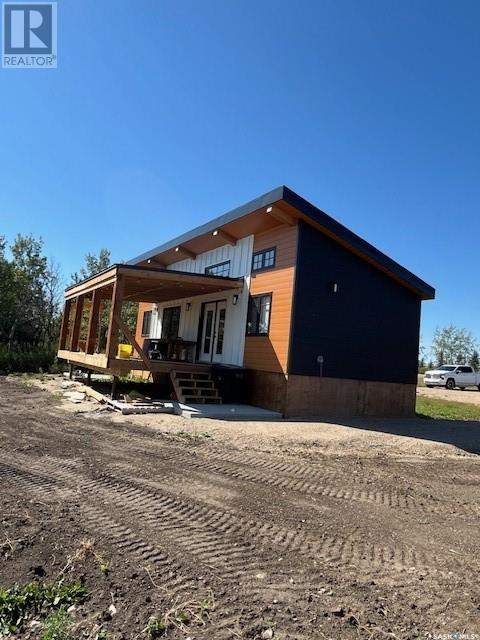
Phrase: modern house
pixel 274 303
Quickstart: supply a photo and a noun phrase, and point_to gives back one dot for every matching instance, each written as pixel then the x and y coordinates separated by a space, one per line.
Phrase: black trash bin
pixel 231 383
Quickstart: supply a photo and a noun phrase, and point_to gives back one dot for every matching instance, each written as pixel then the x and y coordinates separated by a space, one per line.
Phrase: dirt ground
pixel 290 530
pixel 470 396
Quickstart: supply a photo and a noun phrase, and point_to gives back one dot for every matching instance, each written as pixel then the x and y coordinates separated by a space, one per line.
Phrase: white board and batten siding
pixel 240 257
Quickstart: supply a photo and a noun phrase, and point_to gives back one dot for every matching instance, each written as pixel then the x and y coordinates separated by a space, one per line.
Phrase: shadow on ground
pixel 464 434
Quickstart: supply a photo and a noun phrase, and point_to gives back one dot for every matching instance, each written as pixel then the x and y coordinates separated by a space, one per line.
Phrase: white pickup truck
pixel 451 376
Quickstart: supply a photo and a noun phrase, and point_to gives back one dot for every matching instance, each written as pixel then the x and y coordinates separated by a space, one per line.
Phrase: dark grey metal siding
pixel 368 330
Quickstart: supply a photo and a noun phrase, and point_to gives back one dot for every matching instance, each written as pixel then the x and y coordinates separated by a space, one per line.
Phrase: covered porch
pixel 93 324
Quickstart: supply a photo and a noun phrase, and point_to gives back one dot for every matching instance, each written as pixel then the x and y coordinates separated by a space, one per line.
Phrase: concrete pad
pixel 228 412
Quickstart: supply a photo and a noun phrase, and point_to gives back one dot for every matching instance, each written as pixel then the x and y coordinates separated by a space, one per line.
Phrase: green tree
pixel 29 305
pixel 453 345
pixel 29 291
pixel 93 264
pixel 475 360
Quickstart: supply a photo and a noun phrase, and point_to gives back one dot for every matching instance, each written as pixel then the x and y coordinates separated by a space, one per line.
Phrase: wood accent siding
pixel 142 307
pixel 270 353
pixel 332 397
pixel 267 390
pixel 314 396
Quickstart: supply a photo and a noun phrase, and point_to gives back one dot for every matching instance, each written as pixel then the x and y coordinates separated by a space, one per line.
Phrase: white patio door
pixel 213 331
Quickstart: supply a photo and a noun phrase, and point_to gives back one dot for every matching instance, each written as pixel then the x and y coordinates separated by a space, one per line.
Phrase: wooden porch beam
pixel 281 216
pixel 65 325
pixel 115 310
pixel 77 323
pixel 131 338
pixel 186 252
pixel 101 280
pixel 168 277
pixel 93 321
pixel 229 239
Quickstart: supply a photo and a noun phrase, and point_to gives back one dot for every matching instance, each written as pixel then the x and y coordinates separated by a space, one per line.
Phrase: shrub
pixel 28 359
pixel 19 602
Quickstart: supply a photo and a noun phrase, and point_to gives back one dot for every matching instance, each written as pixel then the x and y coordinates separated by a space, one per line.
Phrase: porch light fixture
pixel 235 298
pixel 227 237
pixel 188 306
pixel 334 287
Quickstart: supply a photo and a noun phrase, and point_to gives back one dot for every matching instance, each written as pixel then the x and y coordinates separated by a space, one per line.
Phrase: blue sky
pixel 163 114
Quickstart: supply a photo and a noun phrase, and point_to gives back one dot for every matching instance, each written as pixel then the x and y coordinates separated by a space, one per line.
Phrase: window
pixel 146 323
pixel 220 269
pixel 464 369
pixel 220 331
pixel 170 322
pixel 264 259
pixel 258 318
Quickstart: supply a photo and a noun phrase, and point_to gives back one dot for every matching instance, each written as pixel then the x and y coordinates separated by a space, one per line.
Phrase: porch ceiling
pixel 145 284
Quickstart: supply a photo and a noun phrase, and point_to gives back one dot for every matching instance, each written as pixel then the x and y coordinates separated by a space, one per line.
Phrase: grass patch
pixel 446 409
pixel 180 617
pixel 20 603
pixel 194 437
pixel 57 626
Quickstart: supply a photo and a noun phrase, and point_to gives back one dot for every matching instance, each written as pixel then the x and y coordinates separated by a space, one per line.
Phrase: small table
pixel 176 349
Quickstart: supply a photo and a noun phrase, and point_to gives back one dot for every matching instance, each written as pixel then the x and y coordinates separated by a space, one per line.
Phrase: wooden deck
pixel 82 316
pixel 101 363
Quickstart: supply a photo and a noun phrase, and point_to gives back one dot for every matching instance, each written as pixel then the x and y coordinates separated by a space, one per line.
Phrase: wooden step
pixel 195 383
pixel 199 393
pixel 194 387
pixel 191 375
pixel 208 393
pixel 189 400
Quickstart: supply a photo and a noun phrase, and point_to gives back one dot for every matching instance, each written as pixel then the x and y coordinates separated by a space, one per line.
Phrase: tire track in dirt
pixel 175 516
pixel 174 580
pixel 333 550
pixel 126 435
pixel 333 487
pixel 184 525
pixel 24 479
pixel 195 544
pixel 118 511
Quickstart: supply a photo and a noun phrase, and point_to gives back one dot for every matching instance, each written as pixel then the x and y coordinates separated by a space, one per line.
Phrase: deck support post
pixel 115 310
pixel 114 387
pixel 93 322
pixel 70 371
pixel 77 322
pixel 131 338
pixel 65 325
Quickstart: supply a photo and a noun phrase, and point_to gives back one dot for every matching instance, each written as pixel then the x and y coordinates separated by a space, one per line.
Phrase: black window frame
pixel 146 334
pixel 263 253
pixel 177 308
pixel 218 264
pixel 251 299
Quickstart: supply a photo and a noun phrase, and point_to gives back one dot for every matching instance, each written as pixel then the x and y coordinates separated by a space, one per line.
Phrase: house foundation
pixel 308 396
